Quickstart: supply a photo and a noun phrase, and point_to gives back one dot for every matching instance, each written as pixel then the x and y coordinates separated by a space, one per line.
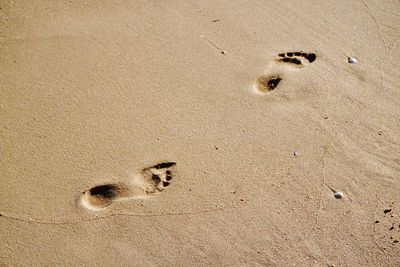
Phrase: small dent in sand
pixel 352 60
pixel 338 194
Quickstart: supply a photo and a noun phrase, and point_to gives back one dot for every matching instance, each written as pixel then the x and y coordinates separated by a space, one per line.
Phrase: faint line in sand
pixel 121 214
pixel 211 43
pixel 371 14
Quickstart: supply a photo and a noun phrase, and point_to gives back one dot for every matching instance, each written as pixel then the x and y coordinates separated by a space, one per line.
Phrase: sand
pixel 100 92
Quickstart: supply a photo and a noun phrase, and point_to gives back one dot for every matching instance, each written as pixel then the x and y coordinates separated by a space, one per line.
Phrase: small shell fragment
pixel 351 60
pixel 338 194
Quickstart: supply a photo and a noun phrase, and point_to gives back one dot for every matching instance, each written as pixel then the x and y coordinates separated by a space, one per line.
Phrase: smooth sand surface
pixel 99 92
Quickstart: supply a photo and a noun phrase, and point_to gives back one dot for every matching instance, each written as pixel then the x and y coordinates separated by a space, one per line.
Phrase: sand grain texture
pixel 92 93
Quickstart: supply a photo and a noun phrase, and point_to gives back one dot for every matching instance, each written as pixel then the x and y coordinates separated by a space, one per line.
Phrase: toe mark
pixel 291 60
pixel 164 165
pixel 311 57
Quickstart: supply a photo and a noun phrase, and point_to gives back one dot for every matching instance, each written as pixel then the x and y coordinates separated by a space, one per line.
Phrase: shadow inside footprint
pixel 291 60
pixel 311 57
pixel 108 191
pixel 164 165
pixel 268 83
pixel 101 196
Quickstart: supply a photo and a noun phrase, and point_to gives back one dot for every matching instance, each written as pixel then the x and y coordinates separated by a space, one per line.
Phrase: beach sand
pixel 94 95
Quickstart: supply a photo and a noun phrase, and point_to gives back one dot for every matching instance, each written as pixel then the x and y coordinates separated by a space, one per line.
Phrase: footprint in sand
pixel 280 64
pixel 151 180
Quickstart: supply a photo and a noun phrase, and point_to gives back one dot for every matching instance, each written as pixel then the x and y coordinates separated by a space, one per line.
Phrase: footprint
pixel 151 180
pixel 158 176
pixel 281 64
pixel 299 59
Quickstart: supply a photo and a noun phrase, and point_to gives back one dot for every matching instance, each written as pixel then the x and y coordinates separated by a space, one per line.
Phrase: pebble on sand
pixel 338 194
pixel 351 60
